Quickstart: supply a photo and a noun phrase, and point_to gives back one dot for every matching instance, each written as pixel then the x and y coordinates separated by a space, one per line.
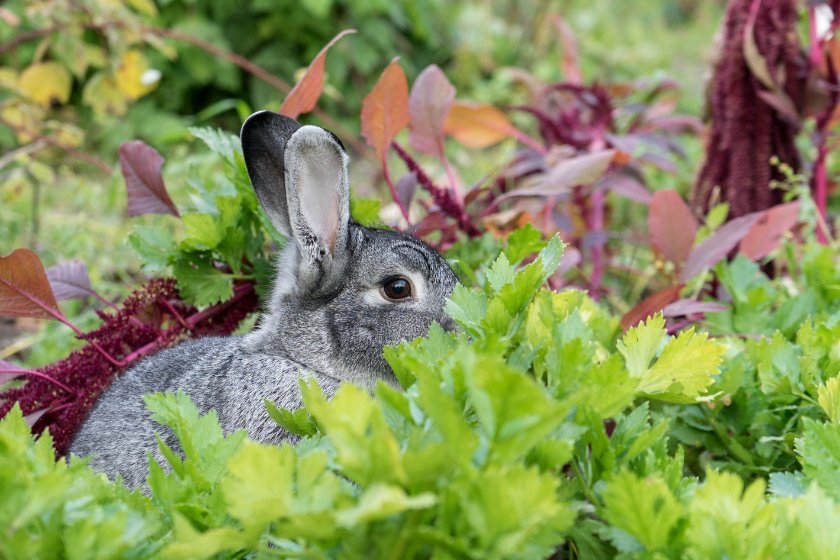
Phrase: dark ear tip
pixel 265 121
pixel 337 140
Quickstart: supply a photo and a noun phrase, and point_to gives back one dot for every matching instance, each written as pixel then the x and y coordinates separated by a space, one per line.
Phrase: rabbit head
pixel 342 291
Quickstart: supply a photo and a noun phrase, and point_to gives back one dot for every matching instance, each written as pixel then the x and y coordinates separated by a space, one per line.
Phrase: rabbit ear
pixel 264 137
pixel 317 192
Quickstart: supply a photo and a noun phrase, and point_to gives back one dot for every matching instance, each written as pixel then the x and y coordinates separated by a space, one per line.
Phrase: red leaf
pixel 569 64
pixel 306 92
pixel 767 232
pixel 690 306
pixel 708 253
pixel 24 288
pixel 650 306
pixel 70 280
pixel 147 194
pixel 672 227
pixel 429 104
pixel 385 109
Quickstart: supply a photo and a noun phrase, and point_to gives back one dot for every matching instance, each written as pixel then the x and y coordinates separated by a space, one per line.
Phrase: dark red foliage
pixel 442 198
pixel 88 373
pixel 572 114
pixel 745 131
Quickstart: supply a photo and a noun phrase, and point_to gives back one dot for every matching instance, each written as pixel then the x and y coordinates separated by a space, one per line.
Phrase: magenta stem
pixel 821 188
pixel 596 223
pixel 238 293
pixel 815 56
pixel 65 405
pixel 38 374
pixel 596 219
pixel 528 141
pixel 172 310
pixel 57 314
pixel 456 189
pixel 106 301
pixel 93 343
pixel 393 190
pixel 110 303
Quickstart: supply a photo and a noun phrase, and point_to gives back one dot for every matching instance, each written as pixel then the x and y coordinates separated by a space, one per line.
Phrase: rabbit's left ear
pixel 317 193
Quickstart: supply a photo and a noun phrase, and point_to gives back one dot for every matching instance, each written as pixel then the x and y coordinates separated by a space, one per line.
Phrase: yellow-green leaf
pixel 134 77
pixel 103 96
pixel 829 398
pixel 47 83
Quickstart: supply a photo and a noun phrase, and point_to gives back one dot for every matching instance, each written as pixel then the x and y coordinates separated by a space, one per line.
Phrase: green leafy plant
pixel 540 430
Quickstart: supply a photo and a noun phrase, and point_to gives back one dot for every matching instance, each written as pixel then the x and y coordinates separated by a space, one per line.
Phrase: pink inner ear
pixel 332 224
pixel 320 176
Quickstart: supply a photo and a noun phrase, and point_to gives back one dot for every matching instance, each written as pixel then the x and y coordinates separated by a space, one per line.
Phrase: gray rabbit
pixel 342 293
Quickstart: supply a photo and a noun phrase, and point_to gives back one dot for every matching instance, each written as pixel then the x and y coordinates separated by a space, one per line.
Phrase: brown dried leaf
pixel 140 164
pixel 24 288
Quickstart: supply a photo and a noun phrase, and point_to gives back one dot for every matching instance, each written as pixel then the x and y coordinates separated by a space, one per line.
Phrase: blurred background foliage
pixel 109 73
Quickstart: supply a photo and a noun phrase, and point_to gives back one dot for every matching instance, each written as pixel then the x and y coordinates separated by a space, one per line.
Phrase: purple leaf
pixel 659 161
pixel 35 416
pixel 70 280
pixel 580 170
pixel 708 253
pixel 406 187
pixel 570 259
pixel 429 104
pixel 688 306
pixel 147 194
pixel 627 187
pixel 6 376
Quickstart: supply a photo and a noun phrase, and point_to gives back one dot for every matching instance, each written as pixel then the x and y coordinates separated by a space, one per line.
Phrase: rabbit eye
pixel 396 289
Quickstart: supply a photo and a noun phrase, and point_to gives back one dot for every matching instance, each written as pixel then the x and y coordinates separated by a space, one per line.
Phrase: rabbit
pixel 342 293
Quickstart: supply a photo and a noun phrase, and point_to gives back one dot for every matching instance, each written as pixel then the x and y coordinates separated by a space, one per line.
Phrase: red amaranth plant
pixel 59 396
pixel 595 138
pixel 747 128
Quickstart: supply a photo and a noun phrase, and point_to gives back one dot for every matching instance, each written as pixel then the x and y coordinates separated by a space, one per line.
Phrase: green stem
pixel 586 489
pixel 724 437
pixel 403 538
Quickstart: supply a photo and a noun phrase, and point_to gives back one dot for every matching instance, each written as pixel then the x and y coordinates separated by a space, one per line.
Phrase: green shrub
pixel 539 424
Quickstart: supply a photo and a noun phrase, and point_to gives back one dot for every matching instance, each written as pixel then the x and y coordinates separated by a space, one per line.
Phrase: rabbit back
pixel 216 373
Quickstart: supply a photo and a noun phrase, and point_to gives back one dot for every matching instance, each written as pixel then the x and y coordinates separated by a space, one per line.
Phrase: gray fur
pixel 326 319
